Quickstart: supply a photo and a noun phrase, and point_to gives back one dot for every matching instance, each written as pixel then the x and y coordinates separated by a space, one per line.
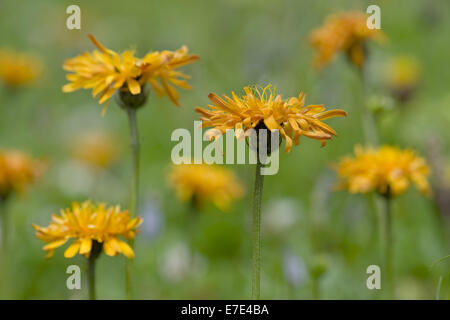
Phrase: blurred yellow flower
pixel 17 171
pixel 92 226
pixel 97 149
pixel 387 170
pixel 346 32
pixel 105 72
pixel 403 75
pixel 201 183
pixel 265 107
pixel 19 69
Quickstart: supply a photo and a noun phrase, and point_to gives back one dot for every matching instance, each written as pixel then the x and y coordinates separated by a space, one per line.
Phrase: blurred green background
pixel 306 224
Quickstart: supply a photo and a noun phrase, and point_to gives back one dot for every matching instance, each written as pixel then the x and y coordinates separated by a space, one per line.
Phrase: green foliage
pixel 239 43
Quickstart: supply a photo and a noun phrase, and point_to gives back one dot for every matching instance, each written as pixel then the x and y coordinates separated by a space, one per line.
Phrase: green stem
pixel 440 260
pixel 135 147
pixel 134 199
pixel 191 221
pixel 316 288
pixel 368 119
pixel 438 289
pixel 257 196
pixel 374 219
pixel 388 246
pixel 4 222
pixel 370 128
pixel 6 288
pixel 91 276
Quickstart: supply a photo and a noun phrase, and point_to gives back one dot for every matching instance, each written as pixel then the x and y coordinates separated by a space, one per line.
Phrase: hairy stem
pixel 257 196
pixel 134 198
pixel 91 276
pixel 135 148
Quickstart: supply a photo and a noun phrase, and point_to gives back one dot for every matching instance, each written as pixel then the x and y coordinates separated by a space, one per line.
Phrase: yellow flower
pixel 265 107
pixel 17 171
pixel 105 71
pixel 346 32
pixel 162 66
pixel 97 149
pixel 403 76
pixel 387 170
pixel 90 225
pixel 18 69
pixel 201 183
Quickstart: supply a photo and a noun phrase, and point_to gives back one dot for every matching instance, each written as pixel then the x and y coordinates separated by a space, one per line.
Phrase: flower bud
pixel 255 140
pixel 127 100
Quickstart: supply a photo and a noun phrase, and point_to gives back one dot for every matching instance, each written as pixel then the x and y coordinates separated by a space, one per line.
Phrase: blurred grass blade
pixel 438 289
pixel 439 261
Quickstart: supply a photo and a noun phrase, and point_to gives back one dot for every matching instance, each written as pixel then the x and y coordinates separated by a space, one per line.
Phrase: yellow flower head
pixel 97 149
pixel 18 69
pixel 17 171
pixel 402 76
pixel 105 71
pixel 403 71
pixel 387 170
pixel 291 116
pixel 90 225
pixel 201 183
pixel 346 32
pixel 162 66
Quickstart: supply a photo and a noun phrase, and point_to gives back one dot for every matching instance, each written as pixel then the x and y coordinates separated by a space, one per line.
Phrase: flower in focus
pixel 265 108
pixel 102 71
pixel 97 149
pixel 18 69
pixel 343 32
pixel 17 171
pixel 403 75
pixel 105 71
pixel 387 170
pixel 91 225
pixel 162 66
pixel 201 183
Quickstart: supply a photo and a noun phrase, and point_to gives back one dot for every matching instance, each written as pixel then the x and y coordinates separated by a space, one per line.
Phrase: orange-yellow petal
pixel 126 249
pixel 72 250
pixel 86 245
pixel 55 244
